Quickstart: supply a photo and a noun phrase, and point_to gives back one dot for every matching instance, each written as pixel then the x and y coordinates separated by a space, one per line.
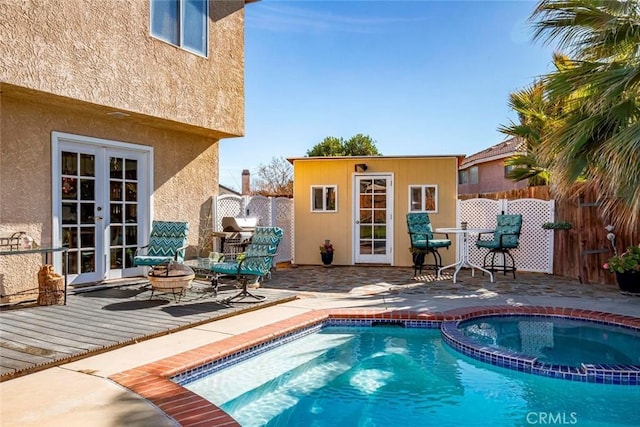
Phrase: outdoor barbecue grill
pixel 236 235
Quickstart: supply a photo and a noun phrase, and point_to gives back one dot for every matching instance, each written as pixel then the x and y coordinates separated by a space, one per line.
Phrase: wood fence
pixel 581 251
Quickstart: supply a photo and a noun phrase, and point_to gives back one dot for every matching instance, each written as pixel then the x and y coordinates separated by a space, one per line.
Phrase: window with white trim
pixel 423 198
pixel 324 198
pixel 183 23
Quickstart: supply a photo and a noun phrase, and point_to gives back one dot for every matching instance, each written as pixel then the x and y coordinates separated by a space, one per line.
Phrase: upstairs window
pixel 423 198
pixel 463 176
pixel 473 175
pixel 183 23
pixel 323 198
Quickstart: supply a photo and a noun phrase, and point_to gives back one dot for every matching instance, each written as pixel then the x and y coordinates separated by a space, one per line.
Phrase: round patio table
pixel 463 260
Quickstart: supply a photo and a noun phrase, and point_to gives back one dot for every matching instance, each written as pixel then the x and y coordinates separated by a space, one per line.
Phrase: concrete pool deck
pixel 81 393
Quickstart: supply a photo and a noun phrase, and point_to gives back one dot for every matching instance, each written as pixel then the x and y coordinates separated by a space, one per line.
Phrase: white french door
pixel 373 213
pixel 101 205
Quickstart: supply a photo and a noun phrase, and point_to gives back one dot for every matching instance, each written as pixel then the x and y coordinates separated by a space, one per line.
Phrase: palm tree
pixel 598 136
pixel 537 116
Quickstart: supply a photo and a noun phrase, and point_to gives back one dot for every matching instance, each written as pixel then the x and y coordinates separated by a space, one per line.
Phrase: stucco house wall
pixel 491 179
pixel 102 53
pixel 68 66
pixel 313 228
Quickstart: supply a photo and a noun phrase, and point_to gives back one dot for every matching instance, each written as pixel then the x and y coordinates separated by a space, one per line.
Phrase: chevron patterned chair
pixel 252 265
pixel 506 236
pixel 167 242
pixel 423 242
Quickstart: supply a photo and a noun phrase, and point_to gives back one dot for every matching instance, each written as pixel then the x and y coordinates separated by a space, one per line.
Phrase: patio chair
pixel 167 242
pixel 505 237
pixel 252 265
pixel 422 242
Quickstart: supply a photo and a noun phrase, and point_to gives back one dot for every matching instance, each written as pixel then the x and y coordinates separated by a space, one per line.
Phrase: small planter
pixel 629 282
pixel 327 257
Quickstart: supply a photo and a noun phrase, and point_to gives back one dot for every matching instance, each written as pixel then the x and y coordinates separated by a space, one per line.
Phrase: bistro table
pixel 463 260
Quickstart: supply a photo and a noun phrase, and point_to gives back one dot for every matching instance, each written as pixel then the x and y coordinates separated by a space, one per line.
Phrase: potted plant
pixel 326 252
pixel 626 266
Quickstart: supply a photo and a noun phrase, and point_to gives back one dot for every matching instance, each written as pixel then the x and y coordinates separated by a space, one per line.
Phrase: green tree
pixel 357 145
pixel 274 178
pixel 598 137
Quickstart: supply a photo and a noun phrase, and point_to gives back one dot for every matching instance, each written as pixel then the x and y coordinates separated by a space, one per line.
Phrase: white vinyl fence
pixel 535 250
pixel 270 211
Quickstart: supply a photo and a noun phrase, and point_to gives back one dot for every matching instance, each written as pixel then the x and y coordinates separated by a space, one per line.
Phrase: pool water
pixel 386 376
pixel 557 340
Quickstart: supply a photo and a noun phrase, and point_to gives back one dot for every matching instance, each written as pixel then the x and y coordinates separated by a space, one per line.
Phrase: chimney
pixel 246 182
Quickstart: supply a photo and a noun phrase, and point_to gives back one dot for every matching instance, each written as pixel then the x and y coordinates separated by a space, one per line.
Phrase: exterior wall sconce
pixel 361 167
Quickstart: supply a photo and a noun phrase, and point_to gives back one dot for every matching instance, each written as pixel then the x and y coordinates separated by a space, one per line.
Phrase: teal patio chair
pixel 252 265
pixel 423 242
pixel 505 237
pixel 167 242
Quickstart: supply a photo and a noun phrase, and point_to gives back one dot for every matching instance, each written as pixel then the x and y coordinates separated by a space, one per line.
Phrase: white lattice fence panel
pixel 283 213
pixel 259 207
pixel 535 250
pixel 228 205
pixel 478 213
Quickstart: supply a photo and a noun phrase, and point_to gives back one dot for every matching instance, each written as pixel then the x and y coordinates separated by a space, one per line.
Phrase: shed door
pixel 373 213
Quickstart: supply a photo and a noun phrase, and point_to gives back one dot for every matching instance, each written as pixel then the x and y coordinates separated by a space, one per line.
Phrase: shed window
pixel 323 198
pixel 423 198
pixel 183 23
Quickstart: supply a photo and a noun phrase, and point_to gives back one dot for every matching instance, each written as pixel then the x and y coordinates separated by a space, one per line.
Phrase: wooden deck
pixel 38 337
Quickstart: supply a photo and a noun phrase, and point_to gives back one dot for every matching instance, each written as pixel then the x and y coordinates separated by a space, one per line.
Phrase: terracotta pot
pixel 629 282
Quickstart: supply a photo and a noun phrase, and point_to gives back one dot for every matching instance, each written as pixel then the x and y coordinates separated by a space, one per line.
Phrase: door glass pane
pixel 87 165
pixel 380 232
pixel 73 263
pixel 87 261
pixel 380 186
pixel 116 213
pixel 365 216
pixel 132 213
pixel 69 163
pixel 132 235
pixel 87 237
pixel 131 169
pixel 115 168
pixel 132 192
pixel 86 213
pixel 69 188
pixel 380 216
pixel 115 190
pixel 69 213
pixel 379 247
pixel 117 235
pixel 87 189
pixel 116 258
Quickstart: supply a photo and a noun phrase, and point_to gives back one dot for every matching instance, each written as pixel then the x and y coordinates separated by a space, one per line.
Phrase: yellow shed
pixel 360 205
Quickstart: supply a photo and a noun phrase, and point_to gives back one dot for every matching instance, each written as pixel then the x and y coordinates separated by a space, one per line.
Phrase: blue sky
pixel 419 77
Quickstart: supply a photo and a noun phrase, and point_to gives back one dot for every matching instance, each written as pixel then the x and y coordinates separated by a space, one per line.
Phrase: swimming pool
pixel 160 382
pixel 350 376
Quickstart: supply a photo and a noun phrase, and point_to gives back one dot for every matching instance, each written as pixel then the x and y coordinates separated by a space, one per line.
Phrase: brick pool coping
pixel 154 383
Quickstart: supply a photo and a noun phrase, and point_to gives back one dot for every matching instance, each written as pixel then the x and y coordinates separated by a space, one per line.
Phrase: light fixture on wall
pixel 361 167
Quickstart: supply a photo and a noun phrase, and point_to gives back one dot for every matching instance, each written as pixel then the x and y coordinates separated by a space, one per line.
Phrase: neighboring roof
pixel 226 190
pixel 503 150
pixel 327 158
